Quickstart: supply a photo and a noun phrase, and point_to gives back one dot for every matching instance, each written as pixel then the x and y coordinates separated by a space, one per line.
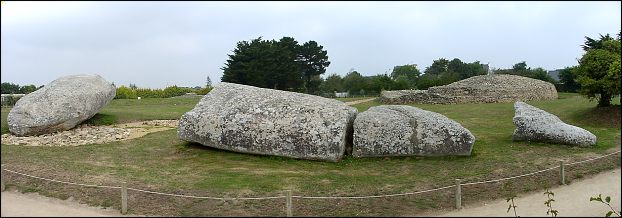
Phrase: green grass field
pixel 161 162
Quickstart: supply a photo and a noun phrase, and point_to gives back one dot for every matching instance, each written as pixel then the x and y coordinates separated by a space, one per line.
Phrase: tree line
pixel 133 92
pixel 11 88
pixel 287 65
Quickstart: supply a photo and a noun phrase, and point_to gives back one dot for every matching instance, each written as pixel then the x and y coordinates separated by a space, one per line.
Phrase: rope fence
pixel 288 197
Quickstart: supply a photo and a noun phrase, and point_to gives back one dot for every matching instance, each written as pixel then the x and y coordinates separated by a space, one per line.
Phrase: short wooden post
pixel 458 194
pixel 124 198
pixel 562 173
pixel 288 202
pixel 2 177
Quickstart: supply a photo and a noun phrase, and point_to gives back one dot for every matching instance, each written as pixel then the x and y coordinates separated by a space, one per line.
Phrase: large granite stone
pixel 60 105
pixel 534 124
pixel 269 122
pixel 398 130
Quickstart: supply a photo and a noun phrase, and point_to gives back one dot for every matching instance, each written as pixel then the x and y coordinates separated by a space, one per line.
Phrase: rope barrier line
pixel 508 178
pixel 375 196
pixel 314 197
pixel 199 197
pixel 596 158
pixel 70 183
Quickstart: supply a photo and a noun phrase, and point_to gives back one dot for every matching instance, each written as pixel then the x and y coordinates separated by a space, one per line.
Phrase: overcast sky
pixel 155 44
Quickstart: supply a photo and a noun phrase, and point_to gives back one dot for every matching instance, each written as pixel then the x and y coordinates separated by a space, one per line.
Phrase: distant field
pixel 161 162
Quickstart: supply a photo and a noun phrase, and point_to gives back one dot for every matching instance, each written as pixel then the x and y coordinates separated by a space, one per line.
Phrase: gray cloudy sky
pixel 155 44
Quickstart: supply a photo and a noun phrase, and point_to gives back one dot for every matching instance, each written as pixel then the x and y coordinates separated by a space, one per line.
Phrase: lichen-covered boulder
pixel 534 124
pixel 60 105
pixel 255 120
pixel 399 130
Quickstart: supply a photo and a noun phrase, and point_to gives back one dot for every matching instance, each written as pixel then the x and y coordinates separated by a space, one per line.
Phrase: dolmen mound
pixel 534 124
pixel 263 121
pixel 60 105
pixel 478 89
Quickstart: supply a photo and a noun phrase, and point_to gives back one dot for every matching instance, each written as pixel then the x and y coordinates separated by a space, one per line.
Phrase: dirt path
pixel 570 200
pixel 360 101
pixel 33 204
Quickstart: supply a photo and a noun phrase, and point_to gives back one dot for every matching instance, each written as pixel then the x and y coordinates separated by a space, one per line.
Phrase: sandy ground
pixel 360 101
pixel 33 204
pixel 570 200
pixel 140 129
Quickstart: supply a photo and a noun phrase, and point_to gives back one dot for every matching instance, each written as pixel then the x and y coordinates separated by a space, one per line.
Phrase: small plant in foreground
pixel 606 201
pixel 512 205
pixel 551 211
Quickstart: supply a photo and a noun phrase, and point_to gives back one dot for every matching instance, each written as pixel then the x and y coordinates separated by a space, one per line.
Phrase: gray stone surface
pixel 477 89
pixel 60 105
pixel 255 120
pixel 398 130
pixel 534 124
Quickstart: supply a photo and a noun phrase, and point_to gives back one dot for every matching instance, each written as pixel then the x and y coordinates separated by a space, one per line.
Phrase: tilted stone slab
pixel 399 130
pixel 255 120
pixel 60 105
pixel 534 124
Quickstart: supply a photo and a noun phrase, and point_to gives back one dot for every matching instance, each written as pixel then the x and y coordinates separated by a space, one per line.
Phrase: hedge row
pixel 124 92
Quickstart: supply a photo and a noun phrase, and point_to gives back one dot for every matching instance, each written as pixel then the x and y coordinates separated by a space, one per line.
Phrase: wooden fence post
pixel 288 202
pixel 562 173
pixel 458 195
pixel 124 198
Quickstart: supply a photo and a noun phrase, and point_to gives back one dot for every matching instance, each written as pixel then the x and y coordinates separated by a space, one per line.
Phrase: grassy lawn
pixel 161 162
pixel 4 126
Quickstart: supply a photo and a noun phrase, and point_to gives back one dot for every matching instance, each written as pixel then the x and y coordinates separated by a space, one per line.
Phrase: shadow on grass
pixel 101 119
pixel 188 146
pixel 347 158
pixel 608 117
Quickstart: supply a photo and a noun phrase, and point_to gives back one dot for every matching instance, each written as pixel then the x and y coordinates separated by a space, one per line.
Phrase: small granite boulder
pixel 60 105
pixel 263 121
pixel 534 124
pixel 399 130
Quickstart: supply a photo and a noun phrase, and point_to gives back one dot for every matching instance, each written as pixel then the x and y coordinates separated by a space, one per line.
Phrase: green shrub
pixel 173 91
pixel 124 92
pixel 204 91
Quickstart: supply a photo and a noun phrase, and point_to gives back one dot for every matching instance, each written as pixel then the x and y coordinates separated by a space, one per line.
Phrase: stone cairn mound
pixel 477 89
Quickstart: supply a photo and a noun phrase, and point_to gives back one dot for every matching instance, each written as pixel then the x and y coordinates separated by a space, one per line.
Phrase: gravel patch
pixel 86 134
